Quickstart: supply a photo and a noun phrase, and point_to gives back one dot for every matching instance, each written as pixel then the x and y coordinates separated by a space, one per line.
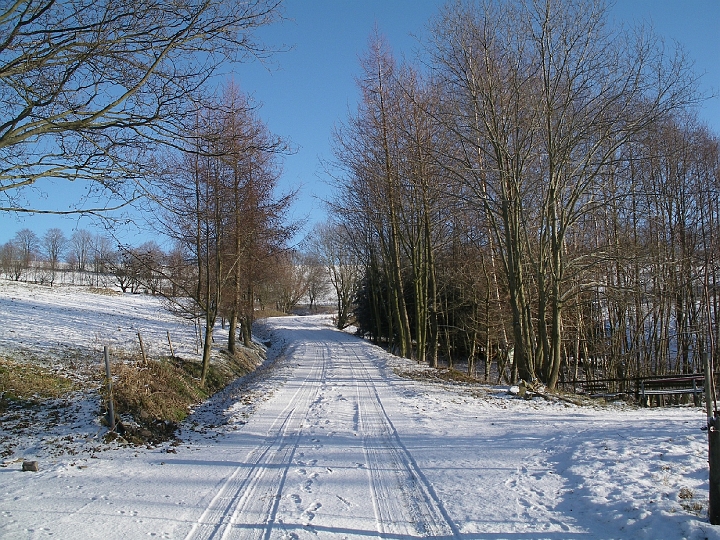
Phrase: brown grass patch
pixel 157 396
pixel 104 291
pixel 454 375
pixel 440 374
pixel 30 383
pixel 268 312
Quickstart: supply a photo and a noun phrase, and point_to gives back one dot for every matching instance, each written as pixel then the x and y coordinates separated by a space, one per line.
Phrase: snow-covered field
pixel 41 320
pixel 326 441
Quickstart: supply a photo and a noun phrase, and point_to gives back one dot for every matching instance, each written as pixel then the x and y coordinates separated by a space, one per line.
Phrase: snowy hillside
pixel 327 441
pixel 53 321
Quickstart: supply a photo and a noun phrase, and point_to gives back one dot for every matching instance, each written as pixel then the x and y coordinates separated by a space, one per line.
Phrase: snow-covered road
pixel 330 443
pixel 324 456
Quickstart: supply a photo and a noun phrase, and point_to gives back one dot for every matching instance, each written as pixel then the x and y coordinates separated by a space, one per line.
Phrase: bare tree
pixel 90 86
pixel 332 245
pixel 292 280
pixel 101 251
pixel 369 148
pixel 54 243
pixel 544 95
pixel 218 203
pixel 143 267
pixel 317 278
pixel 253 230
pixel 27 243
pixel 11 261
pixel 122 267
pixel 81 248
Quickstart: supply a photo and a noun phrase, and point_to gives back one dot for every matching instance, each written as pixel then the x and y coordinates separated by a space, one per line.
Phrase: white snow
pixel 48 320
pixel 326 441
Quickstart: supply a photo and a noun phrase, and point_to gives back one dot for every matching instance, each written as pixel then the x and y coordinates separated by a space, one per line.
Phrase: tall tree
pixel 81 248
pixel 11 261
pixel 368 147
pixel 54 243
pixel 544 97
pixel 254 229
pixel 27 243
pixel 218 204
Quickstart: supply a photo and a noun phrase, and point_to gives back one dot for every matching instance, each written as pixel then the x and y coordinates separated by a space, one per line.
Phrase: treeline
pixel 285 280
pixel 84 256
pixel 533 195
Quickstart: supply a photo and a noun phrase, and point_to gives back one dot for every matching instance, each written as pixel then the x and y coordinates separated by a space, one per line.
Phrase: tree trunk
pixel 232 333
pixel 207 349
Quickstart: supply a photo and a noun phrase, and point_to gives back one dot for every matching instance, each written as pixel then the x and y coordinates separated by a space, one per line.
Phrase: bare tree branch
pixel 88 87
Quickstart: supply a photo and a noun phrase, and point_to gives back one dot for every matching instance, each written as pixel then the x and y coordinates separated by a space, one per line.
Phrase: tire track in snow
pixel 246 504
pixel 402 500
pixel 405 502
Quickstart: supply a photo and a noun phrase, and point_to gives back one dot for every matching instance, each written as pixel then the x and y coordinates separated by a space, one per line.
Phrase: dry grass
pixel 686 493
pixel 689 503
pixel 157 396
pixel 30 383
pixel 268 312
pixel 150 399
pixel 104 291
pixel 439 374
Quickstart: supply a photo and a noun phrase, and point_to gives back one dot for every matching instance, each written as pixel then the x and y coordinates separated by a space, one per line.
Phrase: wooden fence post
pixel 172 353
pixel 196 322
pixel 108 375
pixel 713 425
pixel 142 349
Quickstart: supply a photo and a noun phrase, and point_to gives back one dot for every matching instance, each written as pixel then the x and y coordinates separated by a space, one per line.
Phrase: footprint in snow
pixel 310 512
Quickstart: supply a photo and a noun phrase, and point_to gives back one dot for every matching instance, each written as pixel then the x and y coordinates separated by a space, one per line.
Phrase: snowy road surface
pixel 330 443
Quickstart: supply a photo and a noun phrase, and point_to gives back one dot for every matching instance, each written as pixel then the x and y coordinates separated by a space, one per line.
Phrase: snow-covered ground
pixel 41 320
pixel 326 441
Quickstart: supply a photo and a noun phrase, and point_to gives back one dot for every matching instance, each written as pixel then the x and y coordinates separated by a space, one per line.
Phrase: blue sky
pixel 305 91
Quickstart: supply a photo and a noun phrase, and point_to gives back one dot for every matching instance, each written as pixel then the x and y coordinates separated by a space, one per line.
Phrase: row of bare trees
pixel 105 93
pixel 537 193
pixel 30 257
pixel 290 278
